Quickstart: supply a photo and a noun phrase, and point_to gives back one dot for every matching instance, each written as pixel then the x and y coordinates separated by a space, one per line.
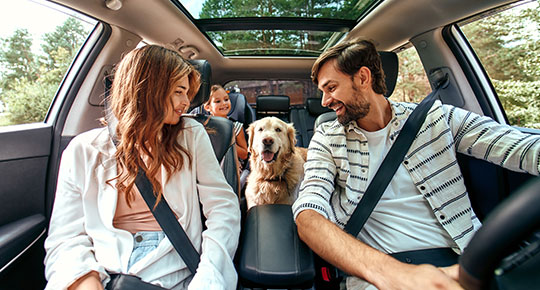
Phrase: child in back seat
pixel 219 105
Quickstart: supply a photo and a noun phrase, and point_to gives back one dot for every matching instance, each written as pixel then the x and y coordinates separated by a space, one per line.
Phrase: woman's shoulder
pixel 192 124
pixel 192 127
pixel 90 136
pixel 95 138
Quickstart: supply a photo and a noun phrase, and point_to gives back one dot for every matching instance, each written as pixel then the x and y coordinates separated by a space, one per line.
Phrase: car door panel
pixel 24 159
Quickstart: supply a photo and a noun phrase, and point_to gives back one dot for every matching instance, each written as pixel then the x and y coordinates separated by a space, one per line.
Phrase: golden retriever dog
pixel 277 166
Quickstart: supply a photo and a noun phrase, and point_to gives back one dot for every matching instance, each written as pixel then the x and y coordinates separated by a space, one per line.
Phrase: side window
pixel 297 90
pixel 508 45
pixel 412 83
pixel 38 41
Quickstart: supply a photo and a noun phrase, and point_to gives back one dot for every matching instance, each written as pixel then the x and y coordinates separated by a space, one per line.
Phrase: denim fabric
pixel 144 243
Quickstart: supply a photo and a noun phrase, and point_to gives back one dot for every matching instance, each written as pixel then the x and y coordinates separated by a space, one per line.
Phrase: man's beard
pixel 358 108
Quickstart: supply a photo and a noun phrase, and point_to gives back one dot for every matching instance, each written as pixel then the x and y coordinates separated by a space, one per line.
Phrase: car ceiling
pixel 391 24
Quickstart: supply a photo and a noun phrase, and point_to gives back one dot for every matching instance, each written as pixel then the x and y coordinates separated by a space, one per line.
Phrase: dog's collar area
pixel 277 178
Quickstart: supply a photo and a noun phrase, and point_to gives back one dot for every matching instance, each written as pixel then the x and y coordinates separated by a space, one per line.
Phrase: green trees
pixel 412 84
pixel 508 45
pixel 277 41
pixel 29 81
pixel 17 58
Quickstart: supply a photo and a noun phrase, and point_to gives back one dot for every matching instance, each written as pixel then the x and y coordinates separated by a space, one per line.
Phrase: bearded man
pixel 425 208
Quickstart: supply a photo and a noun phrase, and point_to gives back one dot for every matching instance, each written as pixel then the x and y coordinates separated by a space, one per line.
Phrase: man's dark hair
pixel 350 57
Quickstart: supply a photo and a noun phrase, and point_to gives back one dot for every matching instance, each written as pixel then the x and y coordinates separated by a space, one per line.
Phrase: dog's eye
pixel 278 129
pixel 260 129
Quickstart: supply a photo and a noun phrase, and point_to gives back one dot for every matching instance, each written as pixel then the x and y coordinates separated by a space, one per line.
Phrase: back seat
pixel 273 105
pixel 220 130
pixel 304 120
pixel 241 111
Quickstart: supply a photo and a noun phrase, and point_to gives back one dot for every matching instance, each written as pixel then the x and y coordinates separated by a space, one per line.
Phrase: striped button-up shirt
pixel 336 172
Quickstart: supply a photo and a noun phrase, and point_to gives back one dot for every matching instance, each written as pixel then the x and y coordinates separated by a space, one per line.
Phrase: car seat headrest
pixel 241 111
pixel 273 103
pixel 204 68
pixel 390 65
pixel 314 107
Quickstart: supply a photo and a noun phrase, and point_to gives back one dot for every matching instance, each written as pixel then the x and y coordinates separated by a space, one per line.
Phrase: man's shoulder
pixel 405 108
pixel 330 127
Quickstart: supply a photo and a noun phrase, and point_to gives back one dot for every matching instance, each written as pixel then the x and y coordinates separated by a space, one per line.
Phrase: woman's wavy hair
pixel 140 99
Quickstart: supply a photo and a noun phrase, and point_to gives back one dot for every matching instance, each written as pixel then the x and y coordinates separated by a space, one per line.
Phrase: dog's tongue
pixel 267 156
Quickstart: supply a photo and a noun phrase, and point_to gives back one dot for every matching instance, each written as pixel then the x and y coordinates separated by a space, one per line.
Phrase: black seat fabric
pixel 304 119
pixel 220 130
pixel 204 68
pixel 390 66
pixel 273 105
pixel 221 133
pixel 315 108
pixel 271 253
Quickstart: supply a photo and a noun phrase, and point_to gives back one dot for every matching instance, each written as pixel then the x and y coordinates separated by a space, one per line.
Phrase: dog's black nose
pixel 268 141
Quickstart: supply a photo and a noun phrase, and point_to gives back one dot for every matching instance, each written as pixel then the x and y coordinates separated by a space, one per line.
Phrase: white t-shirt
pixel 402 219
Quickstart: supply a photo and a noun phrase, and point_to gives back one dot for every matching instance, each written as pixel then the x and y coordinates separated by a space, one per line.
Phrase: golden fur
pixel 277 166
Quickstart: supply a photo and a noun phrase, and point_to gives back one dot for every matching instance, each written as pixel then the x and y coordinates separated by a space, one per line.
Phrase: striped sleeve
pixel 319 174
pixel 483 138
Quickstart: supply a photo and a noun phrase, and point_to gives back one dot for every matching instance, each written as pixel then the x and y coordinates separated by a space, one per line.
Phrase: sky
pixel 193 6
pixel 38 17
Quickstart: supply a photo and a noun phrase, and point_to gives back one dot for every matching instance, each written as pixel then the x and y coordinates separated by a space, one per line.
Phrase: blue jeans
pixel 144 243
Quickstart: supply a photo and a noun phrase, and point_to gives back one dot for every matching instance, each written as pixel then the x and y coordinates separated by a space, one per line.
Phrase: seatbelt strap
pixel 390 164
pixel 168 223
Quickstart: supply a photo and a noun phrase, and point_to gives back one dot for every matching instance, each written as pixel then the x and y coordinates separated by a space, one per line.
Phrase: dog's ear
pixel 291 133
pixel 251 133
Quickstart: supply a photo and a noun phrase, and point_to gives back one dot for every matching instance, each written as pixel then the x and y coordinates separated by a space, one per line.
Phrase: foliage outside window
pixel 275 41
pixel 508 45
pixel 412 85
pixel 30 74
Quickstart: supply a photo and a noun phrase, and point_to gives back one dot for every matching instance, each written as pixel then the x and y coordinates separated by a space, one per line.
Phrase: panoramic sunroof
pixel 274 27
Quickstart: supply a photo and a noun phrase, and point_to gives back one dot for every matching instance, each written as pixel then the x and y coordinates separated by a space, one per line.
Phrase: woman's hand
pixel 90 281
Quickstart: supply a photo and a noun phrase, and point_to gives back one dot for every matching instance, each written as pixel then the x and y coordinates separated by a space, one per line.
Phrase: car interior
pixel 212 40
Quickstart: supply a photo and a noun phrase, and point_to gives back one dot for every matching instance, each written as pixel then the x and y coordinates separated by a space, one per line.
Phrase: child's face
pixel 219 105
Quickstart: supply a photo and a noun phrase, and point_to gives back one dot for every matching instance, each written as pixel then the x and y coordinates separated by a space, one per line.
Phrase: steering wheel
pixel 510 223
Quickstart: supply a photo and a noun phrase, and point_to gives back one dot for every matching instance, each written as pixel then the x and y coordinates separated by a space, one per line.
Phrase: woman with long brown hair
pixel 100 223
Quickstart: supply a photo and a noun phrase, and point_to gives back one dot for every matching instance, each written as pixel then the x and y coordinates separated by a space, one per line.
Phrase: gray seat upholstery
pixel 304 119
pixel 241 111
pixel 220 130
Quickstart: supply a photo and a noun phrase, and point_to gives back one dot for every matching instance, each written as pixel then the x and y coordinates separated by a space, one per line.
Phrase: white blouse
pixel 82 237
